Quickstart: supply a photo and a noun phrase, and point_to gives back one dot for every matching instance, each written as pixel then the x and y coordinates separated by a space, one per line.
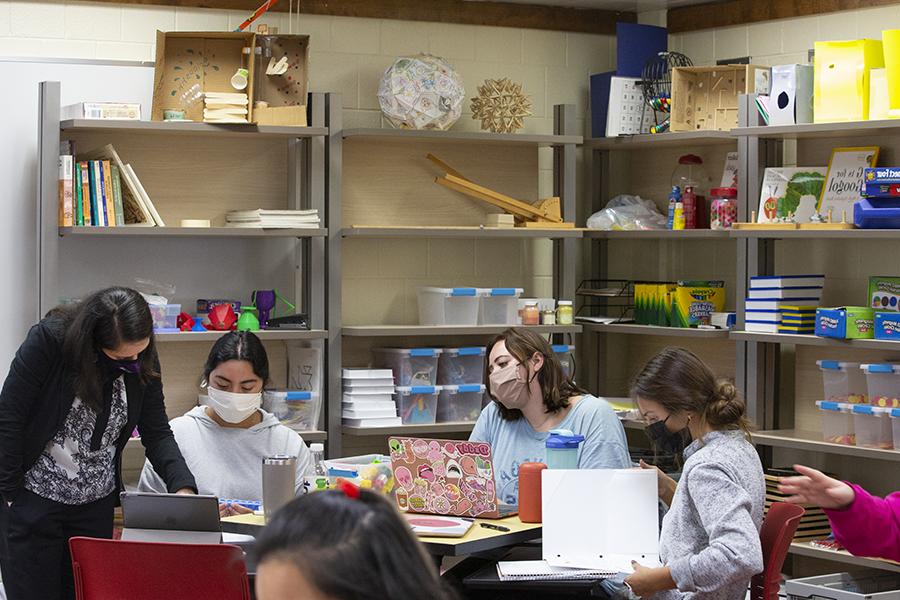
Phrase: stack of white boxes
pixel 368 398
pixel 768 296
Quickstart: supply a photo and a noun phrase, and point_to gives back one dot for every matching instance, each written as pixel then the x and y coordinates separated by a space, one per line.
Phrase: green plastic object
pixel 248 320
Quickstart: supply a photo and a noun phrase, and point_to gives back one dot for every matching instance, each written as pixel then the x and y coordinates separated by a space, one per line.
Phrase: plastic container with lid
pixel 883 383
pixel 165 317
pixel 843 381
pixel 499 306
pixel 722 208
pixel 565 314
pixel 448 306
pixel 297 409
pixel 459 403
pixel 861 585
pixel 873 427
pixel 566 356
pixel 562 449
pixel 458 366
pixel 370 471
pixel 417 405
pixel 531 314
pixel 837 423
pixel 895 423
pixel 411 366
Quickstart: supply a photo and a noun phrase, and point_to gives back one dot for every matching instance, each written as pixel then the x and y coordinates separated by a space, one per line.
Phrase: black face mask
pixel 665 441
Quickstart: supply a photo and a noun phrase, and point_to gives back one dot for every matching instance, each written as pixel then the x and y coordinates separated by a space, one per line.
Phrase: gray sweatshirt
pixel 227 461
pixel 710 536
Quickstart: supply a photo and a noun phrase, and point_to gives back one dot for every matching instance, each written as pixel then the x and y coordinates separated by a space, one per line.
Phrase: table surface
pixel 478 539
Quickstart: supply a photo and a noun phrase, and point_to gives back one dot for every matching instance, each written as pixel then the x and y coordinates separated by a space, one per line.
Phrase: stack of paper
pixel 368 398
pixel 769 297
pixel 225 107
pixel 274 219
pixel 540 570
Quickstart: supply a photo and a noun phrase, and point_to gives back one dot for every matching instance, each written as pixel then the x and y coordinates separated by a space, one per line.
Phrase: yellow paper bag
pixel 841 83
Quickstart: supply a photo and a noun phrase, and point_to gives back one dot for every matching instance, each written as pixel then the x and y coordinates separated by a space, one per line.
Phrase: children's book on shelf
pixel 790 192
pixel 844 179
pixel 129 111
pixel 129 205
pixel 66 191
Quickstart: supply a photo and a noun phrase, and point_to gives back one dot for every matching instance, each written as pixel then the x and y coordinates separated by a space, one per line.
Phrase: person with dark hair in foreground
pixel 85 376
pixel 343 545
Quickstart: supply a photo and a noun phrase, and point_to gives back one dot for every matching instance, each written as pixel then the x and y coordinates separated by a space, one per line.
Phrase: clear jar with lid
pixel 531 314
pixel 565 314
pixel 548 317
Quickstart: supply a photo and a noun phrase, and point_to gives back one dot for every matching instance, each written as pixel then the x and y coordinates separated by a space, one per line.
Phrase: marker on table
pixel 494 527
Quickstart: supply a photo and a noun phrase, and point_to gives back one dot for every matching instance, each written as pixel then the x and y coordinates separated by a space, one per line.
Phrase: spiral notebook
pixel 540 570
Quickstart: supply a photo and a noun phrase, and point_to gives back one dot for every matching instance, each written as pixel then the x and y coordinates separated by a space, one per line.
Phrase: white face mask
pixel 232 407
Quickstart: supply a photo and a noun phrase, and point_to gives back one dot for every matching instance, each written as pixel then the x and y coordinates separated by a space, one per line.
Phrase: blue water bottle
pixel 562 449
pixel 674 198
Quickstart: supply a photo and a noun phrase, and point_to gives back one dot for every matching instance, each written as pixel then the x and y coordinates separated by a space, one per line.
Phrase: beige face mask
pixel 508 388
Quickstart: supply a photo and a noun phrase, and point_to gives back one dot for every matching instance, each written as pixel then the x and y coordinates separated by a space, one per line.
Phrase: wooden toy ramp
pixel 545 214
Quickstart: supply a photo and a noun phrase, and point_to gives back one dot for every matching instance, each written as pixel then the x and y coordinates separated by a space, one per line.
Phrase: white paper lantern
pixel 421 92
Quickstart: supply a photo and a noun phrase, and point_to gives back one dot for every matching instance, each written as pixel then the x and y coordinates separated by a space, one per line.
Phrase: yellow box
pixel 841 84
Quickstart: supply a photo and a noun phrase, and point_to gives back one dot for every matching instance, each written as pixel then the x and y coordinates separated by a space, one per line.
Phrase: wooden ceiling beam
pixel 500 14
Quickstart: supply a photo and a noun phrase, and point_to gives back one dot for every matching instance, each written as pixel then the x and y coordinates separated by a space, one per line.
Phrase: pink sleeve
pixel 870 526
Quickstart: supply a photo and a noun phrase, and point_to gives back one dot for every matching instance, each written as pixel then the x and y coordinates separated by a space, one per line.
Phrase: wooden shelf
pixel 189 128
pixel 812 340
pixel 480 137
pixel 459 232
pixel 225 232
pixel 842 556
pixel 424 330
pixel 660 140
pixel 821 130
pixel 462 427
pixel 658 234
pixel 806 234
pixel 812 441
pixel 265 334
pixel 634 329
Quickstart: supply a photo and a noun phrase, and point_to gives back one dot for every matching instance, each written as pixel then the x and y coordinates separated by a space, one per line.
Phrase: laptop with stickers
pixel 445 477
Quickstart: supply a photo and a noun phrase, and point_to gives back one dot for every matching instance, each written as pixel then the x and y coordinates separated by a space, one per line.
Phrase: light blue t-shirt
pixel 516 442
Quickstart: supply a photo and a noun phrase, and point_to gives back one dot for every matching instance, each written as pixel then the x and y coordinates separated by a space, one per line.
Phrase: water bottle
pixel 279 474
pixel 530 508
pixel 562 449
pixel 320 481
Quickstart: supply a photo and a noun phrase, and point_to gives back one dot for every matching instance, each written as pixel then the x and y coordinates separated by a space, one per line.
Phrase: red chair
pixel 113 569
pixel 777 533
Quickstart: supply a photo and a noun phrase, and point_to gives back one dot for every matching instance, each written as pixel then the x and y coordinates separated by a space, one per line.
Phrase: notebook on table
pixel 541 570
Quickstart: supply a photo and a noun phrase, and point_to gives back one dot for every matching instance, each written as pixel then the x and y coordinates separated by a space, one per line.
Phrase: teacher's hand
pixel 645 581
pixel 186 491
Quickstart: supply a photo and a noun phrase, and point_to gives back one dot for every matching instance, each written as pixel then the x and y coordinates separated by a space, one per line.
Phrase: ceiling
pixel 623 5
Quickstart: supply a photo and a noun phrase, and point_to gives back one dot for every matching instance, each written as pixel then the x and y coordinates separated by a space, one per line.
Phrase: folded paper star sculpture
pixel 501 106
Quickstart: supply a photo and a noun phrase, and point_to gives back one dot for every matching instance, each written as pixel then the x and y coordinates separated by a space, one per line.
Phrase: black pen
pixel 494 527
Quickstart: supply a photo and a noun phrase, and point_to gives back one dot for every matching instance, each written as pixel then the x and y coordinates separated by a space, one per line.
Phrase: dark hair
pixel 105 319
pixel 678 380
pixel 239 345
pixel 556 387
pixel 351 549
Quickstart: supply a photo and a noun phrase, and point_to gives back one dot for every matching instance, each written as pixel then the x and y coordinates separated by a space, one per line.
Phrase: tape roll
pixel 195 223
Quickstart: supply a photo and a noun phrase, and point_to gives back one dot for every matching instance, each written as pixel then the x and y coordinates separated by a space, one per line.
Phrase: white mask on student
pixel 233 407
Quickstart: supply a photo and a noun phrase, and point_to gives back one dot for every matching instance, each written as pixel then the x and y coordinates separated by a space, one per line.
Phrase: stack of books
pixel 273 219
pixel 813 524
pixel 368 398
pixel 769 297
pixel 225 107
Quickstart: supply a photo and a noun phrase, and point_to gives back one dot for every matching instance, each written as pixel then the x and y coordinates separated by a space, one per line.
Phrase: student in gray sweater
pixel 709 543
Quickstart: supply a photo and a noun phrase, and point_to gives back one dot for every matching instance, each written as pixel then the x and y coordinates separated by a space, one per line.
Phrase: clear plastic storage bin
pixel 297 409
pixel 895 423
pixel 873 427
pixel 459 403
pixel 499 306
pixel 448 306
pixel 843 381
pixel 862 585
pixel 411 366
pixel 837 423
pixel 370 471
pixel 417 404
pixel 883 382
pixel 165 316
pixel 566 356
pixel 458 366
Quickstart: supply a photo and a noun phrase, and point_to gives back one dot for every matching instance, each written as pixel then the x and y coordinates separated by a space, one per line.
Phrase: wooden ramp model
pixel 545 214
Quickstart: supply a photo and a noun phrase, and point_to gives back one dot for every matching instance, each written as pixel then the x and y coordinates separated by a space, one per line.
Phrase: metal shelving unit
pixel 434 428
pixel 819 130
pixel 811 440
pixel 633 329
pixel 190 128
pixel 657 234
pixel 430 330
pixel 812 340
pixel 461 232
pixel 268 334
pixel 467 137
pixel 224 232
pixel 810 234
pixel 660 140
pixel 842 556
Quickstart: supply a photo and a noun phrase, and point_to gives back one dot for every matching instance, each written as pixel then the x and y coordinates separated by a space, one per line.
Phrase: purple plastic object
pixel 264 300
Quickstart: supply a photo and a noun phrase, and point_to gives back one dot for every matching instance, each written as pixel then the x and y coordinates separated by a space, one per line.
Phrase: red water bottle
pixel 530 492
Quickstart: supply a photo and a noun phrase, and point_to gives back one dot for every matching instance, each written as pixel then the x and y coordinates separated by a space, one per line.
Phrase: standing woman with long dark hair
pixel 81 381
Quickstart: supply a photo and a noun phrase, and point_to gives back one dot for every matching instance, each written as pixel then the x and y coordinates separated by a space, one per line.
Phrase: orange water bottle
pixel 530 491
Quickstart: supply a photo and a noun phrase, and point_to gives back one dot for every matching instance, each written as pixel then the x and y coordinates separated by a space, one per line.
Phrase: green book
pixel 117 195
pixel 79 209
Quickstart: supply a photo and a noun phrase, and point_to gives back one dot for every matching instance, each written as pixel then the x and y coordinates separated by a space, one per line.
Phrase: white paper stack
pixel 368 398
pixel 768 296
pixel 225 107
pixel 273 219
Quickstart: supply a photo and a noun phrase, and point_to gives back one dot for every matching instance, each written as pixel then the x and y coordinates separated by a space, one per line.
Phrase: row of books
pixel 97 189
pixel 783 304
pixel 368 398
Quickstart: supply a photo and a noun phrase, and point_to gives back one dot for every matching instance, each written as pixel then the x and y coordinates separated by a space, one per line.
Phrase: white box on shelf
pixel 627 114
pixel 791 101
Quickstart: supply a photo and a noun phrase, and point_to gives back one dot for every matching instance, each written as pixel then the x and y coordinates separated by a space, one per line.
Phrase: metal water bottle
pixel 279 474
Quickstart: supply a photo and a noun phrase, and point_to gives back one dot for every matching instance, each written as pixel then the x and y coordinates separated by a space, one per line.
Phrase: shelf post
pixel 47 202
pixel 564 180
pixel 332 214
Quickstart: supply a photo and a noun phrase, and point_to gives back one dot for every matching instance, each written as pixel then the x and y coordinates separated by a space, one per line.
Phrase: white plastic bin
pixel 459 403
pixel 417 405
pixel 297 409
pixel 837 423
pixel 873 427
pixel 566 356
pixel 843 381
pixel 895 423
pixel 411 366
pixel 448 306
pixel 499 306
pixel 458 366
pixel 883 382
pixel 868 584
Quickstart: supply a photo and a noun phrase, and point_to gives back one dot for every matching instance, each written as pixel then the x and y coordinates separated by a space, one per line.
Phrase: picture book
pixel 844 179
pixel 66 191
pixel 117 195
pixel 79 211
pixel 787 191
pixel 85 193
pixel 108 195
pixel 135 212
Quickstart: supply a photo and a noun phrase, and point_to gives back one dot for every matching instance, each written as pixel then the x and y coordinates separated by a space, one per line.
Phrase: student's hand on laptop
pixel 230 509
pixel 186 491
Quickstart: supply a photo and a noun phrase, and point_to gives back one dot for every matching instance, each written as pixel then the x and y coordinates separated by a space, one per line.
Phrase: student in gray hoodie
pixel 225 441
pixel 709 543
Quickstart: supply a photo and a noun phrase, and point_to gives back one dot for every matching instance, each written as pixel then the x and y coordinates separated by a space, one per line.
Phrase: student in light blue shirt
pixel 531 396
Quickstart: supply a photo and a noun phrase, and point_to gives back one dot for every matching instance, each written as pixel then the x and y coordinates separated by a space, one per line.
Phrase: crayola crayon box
pixel 695 301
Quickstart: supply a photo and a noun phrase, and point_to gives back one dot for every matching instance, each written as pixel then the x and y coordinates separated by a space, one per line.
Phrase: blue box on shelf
pixel 887 326
pixel 877 213
pixel 846 322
